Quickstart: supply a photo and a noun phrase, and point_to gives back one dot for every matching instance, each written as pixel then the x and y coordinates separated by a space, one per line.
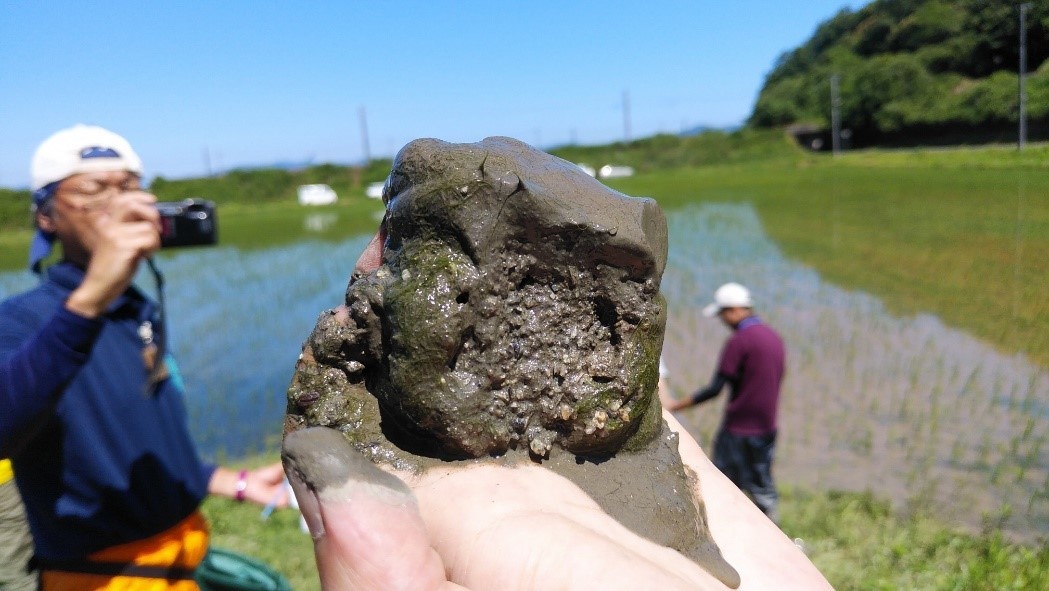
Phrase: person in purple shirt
pixel 752 364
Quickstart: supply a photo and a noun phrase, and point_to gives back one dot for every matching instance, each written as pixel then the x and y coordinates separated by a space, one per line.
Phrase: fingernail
pixel 309 505
pixel 323 467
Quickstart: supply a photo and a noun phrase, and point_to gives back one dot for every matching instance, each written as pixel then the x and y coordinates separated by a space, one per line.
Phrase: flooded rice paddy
pixel 905 407
pixel 237 322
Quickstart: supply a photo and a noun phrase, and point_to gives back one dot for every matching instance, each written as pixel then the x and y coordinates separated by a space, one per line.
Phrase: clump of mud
pixel 516 316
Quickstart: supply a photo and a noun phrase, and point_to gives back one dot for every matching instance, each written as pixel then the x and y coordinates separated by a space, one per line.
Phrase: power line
pixel 365 147
pixel 626 116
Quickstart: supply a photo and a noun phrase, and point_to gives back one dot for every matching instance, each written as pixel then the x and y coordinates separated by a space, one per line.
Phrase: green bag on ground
pixel 225 570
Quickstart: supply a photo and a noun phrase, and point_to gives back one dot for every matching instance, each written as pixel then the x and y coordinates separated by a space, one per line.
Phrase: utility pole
pixel 835 115
pixel 1022 139
pixel 626 116
pixel 364 136
pixel 207 161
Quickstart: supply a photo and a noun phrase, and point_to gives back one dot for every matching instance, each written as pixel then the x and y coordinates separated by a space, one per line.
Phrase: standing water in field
pixel 236 322
pixel 905 407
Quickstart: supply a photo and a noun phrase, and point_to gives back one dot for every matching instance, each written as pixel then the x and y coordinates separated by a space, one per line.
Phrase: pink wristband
pixel 242 485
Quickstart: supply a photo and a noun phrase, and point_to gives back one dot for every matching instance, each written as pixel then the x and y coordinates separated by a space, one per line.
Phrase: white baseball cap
pixel 730 295
pixel 74 150
pixel 78 149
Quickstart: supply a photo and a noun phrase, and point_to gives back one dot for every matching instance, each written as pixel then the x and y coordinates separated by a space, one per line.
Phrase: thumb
pixel 366 527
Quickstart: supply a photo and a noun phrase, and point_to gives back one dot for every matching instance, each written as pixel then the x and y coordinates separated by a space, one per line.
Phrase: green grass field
pixel 251 226
pixel 920 231
pixel 959 233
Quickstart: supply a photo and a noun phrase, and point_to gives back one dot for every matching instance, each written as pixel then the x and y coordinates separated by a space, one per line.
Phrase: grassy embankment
pixel 965 243
pixel 962 234
pixel 255 208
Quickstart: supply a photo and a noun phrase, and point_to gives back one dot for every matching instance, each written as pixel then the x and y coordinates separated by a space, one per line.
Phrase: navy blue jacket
pixel 100 459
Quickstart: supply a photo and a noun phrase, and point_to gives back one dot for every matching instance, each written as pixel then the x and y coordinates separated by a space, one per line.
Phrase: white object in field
pixel 316 195
pixel 293 502
pixel 374 190
pixel 610 172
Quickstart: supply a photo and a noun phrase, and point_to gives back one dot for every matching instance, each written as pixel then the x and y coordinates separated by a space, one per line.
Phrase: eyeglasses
pixel 96 193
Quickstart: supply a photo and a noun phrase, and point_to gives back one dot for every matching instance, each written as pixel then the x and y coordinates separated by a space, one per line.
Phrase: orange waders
pixel 164 562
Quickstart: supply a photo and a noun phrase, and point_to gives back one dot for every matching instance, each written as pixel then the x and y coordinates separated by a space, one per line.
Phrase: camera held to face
pixel 190 222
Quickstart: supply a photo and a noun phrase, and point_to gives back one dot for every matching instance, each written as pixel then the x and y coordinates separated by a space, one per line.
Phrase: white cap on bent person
pixel 730 295
pixel 75 150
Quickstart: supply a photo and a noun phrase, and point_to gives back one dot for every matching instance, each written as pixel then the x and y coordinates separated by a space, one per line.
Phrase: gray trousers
pixel 16 543
pixel 747 461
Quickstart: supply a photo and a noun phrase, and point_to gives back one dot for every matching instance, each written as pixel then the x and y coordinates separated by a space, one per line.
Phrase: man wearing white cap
pixel 752 364
pixel 91 407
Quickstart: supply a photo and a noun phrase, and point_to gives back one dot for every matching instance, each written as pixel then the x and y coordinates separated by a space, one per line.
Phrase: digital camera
pixel 190 222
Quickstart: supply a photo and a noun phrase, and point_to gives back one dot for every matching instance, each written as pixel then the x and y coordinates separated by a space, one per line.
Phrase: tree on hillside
pixel 911 70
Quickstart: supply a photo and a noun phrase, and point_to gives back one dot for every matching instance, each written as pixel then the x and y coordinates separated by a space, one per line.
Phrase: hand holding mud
pixel 481 526
pixel 499 354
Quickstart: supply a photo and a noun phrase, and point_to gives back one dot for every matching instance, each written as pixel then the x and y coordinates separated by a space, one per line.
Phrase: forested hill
pixel 914 72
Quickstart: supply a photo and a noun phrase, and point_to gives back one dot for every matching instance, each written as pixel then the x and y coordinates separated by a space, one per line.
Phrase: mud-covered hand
pixel 487 526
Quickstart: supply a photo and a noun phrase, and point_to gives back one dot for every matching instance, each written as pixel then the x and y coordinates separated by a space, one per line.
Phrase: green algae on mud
pixel 470 295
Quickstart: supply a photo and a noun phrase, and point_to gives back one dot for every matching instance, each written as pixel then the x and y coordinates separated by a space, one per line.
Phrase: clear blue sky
pixel 228 83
